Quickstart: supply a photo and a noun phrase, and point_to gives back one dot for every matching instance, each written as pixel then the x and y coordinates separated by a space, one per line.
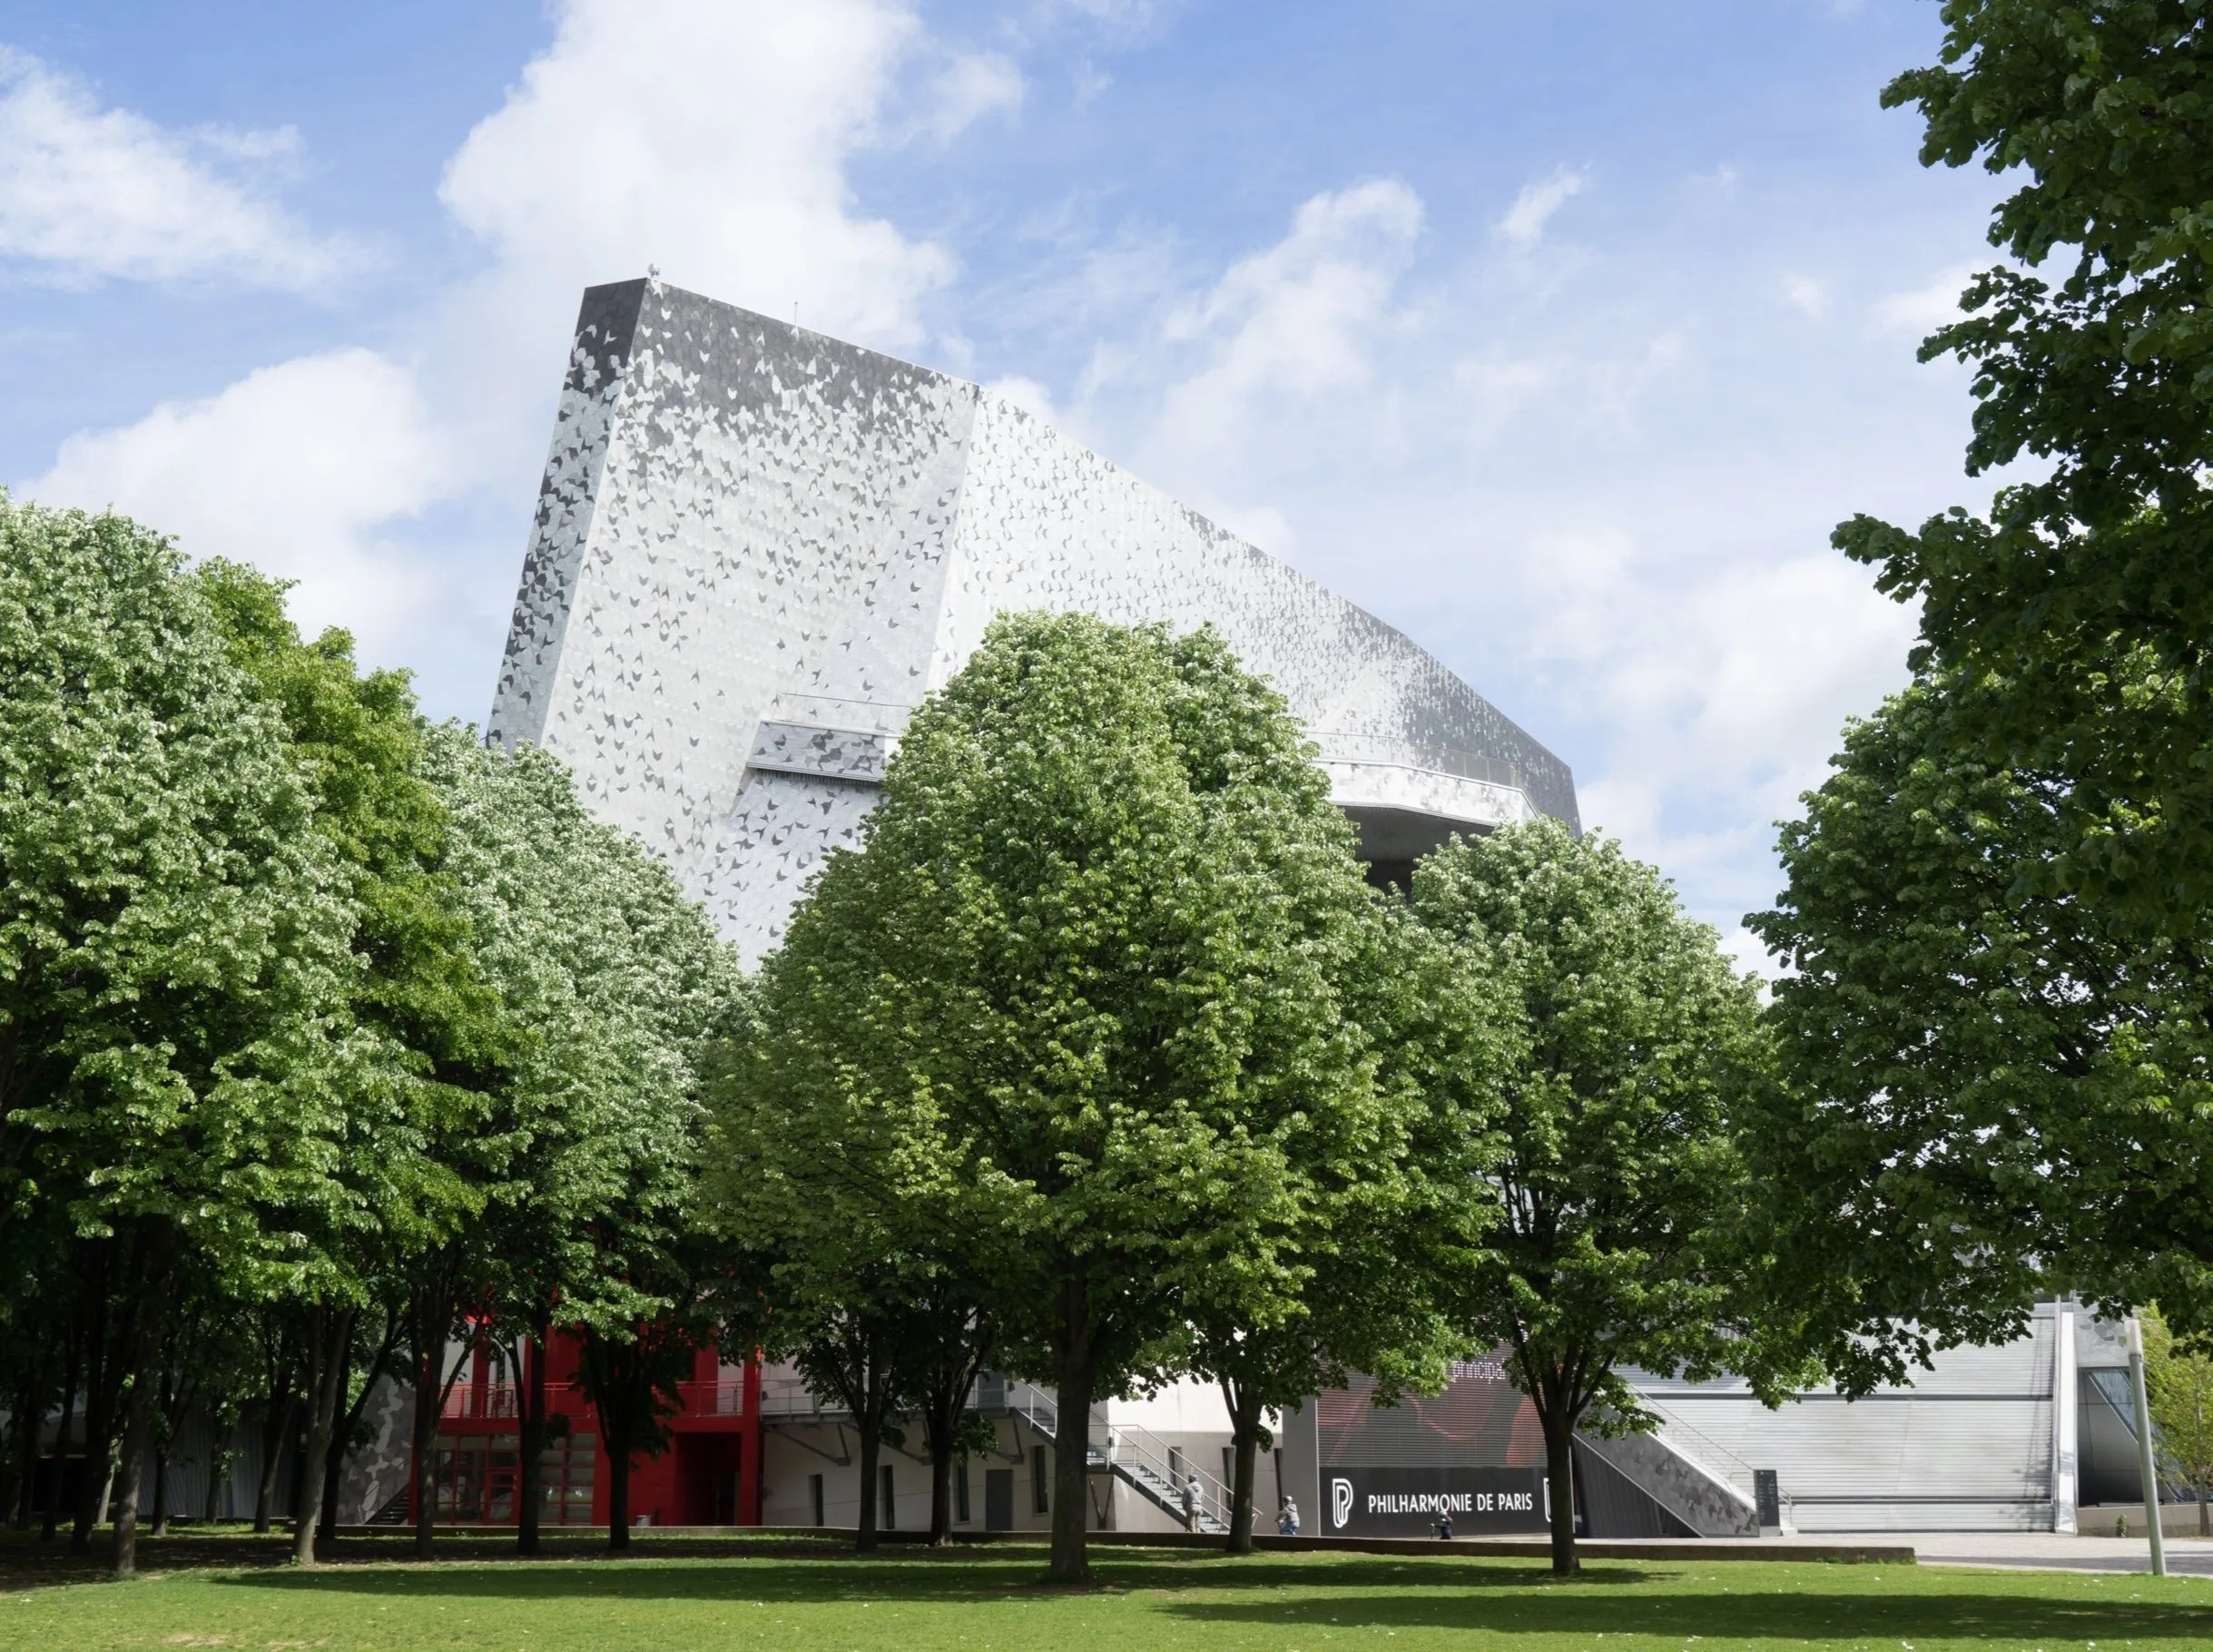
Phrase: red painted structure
pixel 709 1476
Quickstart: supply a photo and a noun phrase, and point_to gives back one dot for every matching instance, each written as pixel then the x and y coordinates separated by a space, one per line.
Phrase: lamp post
pixel 2143 1445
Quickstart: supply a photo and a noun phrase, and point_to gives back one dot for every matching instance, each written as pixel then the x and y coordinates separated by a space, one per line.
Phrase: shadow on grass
pixel 1385 1594
pixel 953 1576
pixel 1786 1614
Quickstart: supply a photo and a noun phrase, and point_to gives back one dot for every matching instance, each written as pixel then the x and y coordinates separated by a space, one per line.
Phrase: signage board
pixel 1409 1502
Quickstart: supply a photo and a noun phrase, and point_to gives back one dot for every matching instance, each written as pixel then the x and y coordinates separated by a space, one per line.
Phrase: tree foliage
pixel 319 1028
pixel 1995 1092
pixel 1625 1043
pixel 2099 367
pixel 175 1051
pixel 1077 996
pixel 2179 1384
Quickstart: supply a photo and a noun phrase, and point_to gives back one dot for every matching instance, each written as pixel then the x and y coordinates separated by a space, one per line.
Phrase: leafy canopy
pixel 1994 1092
pixel 2104 368
pixel 1077 999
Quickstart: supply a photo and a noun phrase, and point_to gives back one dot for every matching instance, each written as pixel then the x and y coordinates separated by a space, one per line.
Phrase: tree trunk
pixel 1559 1469
pixel 27 1466
pixel 161 1451
pixel 219 1465
pixel 618 1489
pixel 1071 1438
pixel 940 1482
pixel 531 1469
pixel 30 1412
pixel 870 1428
pixel 1245 1410
pixel 429 1401
pixel 99 1420
pixel 276 1424
pixel 50 1517
pixel 331 1339
pixel 137 1434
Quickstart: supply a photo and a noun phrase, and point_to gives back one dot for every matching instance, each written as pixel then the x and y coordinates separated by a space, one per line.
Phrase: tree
pixel 1624 1039
pixel 2179 1384
pixel 617 984
pixel 1994 1092
pixel 1396 1203
pixel 2099 370
pixel 860 1274
pixel 633 1382
pixel 437 1041
pixel 1082 971
pixel 173 968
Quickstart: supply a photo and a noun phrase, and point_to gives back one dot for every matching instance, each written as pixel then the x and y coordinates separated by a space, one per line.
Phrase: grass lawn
pixel 916 1602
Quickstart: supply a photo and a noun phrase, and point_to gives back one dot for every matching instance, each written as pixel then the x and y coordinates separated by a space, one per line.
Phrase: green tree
pixel 428 1035
pixel 2179 1382
pixel 617 984
pixel 1994 1092
pixel 1082 968
pixel 864 1278
pixel 1395 1202
pixel 634 1374
pixel 2090 355
pixel 1625 1040
pixel 174 964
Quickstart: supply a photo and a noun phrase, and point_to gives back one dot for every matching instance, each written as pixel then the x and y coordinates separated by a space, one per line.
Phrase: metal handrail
pixel 494 1399
pixel 1130 1448
pixel 714 1399
pixel 1708 1453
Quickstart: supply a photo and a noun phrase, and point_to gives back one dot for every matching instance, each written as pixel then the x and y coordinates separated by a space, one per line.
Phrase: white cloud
pixel 1296 320
pixel 1030 395
pixel 1803 293
pixel 295 469
pixel 973 85
pixel 1926 308
pixel 87 191
pixel 1525 220
pixel 708 136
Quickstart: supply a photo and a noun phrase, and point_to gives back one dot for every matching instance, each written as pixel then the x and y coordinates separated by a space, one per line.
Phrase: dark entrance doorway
pixel 998 1499
pixel 707 1478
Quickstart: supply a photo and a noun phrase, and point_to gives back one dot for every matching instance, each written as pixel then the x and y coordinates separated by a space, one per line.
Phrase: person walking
pixel 1287 1519
pixel 1191 1503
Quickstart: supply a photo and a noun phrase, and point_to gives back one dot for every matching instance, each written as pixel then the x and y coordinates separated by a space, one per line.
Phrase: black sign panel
pixel 1409 1502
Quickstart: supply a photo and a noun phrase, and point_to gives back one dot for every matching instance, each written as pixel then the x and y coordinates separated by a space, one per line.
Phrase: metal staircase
pixel 1137 1458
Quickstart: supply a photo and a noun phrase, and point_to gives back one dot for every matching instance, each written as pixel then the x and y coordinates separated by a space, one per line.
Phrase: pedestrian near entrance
pixel 1191 1503
pixel 1287 1519
pixel 1444 1527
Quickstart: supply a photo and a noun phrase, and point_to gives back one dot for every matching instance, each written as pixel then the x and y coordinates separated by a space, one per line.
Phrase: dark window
pixel 960 1491
pixel 886 1518
pixel 814 1492
pixel 1041 1480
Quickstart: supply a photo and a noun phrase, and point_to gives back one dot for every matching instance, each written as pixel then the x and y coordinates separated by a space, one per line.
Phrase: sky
pixel 1558 333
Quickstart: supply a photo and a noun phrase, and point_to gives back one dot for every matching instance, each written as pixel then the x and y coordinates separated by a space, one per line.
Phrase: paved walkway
pixel 2045 1550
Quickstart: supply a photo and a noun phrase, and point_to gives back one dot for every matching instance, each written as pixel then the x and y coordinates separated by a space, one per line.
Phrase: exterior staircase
pixel 1135 1455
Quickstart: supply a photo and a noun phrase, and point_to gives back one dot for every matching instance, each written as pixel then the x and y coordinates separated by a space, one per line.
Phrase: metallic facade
pixel 757 549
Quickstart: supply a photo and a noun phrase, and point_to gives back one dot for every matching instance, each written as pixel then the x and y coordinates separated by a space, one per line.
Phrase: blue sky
pixel 1559 334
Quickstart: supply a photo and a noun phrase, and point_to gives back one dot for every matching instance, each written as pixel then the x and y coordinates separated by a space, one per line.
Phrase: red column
pixel 748 1467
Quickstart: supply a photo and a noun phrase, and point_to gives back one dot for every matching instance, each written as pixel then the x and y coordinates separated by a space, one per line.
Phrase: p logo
pixel 1339 1502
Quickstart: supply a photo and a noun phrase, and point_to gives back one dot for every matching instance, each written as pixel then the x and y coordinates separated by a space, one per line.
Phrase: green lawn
pixel 917 1602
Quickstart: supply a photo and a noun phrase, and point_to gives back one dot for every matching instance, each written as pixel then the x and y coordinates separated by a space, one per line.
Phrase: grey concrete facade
pixel 756 549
